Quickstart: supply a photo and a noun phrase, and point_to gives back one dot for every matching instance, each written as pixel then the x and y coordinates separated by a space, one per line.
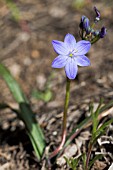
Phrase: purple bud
pixel 83 17
pixel 81 23
pixel 97 14
pixel 103 32
pixel 85 24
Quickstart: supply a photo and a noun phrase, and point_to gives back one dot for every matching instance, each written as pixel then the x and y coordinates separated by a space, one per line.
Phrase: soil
pixel 26 50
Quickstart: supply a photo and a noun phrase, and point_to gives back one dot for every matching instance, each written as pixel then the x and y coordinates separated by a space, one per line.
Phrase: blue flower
pixel 71 55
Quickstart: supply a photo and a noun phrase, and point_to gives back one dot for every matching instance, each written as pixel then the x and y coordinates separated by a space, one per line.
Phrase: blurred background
pixel 26 31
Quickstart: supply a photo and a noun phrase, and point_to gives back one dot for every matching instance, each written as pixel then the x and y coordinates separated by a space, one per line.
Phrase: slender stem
pixel 66 108
pixel 88 156
pixel 64 131
pixel 93 25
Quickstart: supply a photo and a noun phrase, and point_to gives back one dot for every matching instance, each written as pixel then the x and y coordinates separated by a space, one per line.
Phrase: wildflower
pixel 71 55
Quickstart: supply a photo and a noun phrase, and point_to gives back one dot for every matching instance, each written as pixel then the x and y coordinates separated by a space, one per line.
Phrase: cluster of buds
pixel 87 32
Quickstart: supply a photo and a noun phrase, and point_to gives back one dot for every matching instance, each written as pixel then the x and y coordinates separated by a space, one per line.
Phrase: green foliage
pixel 84 156
pixel 97 157
pixel 101 130
pixel 24 113
pixel 13 85
pixel 77 4
pixel 97 131
pixel 14 9
pixel 45 96
pixel 72 162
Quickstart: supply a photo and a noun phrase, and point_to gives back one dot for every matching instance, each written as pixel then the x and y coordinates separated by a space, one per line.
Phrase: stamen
pixel 75 50
pixel 70 55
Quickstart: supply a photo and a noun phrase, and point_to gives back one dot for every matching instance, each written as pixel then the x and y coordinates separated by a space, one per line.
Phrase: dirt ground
pixel 26 49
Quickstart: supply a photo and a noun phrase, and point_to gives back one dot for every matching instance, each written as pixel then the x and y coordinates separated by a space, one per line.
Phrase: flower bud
pixel 81 23
pixel 85 24
pixel 97 14
pixel 103 32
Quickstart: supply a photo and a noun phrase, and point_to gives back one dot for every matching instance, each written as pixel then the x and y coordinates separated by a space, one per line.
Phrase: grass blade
pixel 25 113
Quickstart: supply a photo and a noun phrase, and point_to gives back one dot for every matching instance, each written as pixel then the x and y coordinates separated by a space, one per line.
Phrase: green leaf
pixel 82 124
pixel 94 115
pixel 44 96
pixel 73 163
pixel 14 9
pixel 97 157
pixel 68 161
pixel 33 128
pixel 84 160
pixel 12 84
pixel 101 129
pixel 25 113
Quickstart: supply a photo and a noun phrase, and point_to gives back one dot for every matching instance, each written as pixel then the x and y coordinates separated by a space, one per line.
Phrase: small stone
pixel 15 69
pixel 69 152
pixel 23 36
pixel 111 167
pixel 41 80
pixel 55 133
pixel 35 54
pixel 27 61
pixel 57 12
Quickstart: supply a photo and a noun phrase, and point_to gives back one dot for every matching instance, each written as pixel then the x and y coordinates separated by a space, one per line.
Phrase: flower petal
pixel 59 61
pixel 82 47
pixel 60 47
pixel 82 60
pixel 71 68
pixel 70 41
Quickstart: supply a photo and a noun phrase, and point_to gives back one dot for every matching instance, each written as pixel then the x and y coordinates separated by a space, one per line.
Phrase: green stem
pixel 88 156
pixel 66 106
pixel 93 25
pixel 64 130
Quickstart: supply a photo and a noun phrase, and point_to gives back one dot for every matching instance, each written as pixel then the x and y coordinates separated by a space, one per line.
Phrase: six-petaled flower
pixel 71 54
